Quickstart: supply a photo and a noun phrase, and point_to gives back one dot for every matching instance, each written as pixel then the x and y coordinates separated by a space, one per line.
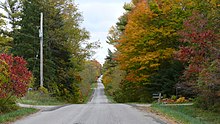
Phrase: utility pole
pixel 41 50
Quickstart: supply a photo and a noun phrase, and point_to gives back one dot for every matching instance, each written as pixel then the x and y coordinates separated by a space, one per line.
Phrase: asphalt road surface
pixel 98 111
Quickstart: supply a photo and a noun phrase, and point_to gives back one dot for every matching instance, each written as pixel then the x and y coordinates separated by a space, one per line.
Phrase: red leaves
pixel 184 54
pixel 18 74
pixel 196 31
pixel 200 43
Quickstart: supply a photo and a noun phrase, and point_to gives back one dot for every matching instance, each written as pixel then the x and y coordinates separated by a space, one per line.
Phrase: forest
pixel 165 46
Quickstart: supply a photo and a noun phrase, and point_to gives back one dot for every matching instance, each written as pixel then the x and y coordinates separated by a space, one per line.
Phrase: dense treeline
pixel 65 43
pixel 164 46
pixel 89 76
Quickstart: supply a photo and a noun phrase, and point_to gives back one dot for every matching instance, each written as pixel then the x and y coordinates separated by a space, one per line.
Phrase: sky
pixel 99 16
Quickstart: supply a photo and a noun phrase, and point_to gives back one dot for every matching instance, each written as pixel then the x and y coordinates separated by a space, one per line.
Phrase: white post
pixel 41 50
pixel 159 99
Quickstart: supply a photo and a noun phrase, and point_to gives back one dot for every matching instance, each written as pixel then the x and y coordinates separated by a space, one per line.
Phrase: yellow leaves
pixel 134 30
pixel 144 43
pixel 106 79
pixel 163 31
pixel 152 59
pixel 142 68
pixel 141 13
pixel 152 42
pixel 166 8
pixel 168 52
pixel 154 65
pixel 136 77
pixel 4 73
pixel 142 77
pixel 151 56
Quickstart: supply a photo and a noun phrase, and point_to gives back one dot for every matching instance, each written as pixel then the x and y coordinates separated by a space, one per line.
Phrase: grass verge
pixel 91 91
pixel 94 85
pixel 110 98
pixel 188 114
pixel 14 115
pixel 37 98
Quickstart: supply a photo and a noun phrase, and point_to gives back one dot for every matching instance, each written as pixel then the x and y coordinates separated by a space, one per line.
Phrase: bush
pixel 181 100
pixel 14 81
pixel 39 98
pixel 215 108
pixel 43 90
pixel 168 101
pixel 173 97
pixel 16 77
pixel 209 86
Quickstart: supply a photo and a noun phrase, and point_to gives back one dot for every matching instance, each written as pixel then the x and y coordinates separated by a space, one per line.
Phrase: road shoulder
pixel 41 108
pixel 154 114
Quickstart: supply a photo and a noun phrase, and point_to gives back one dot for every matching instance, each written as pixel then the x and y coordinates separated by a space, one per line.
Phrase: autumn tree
pixel 201 53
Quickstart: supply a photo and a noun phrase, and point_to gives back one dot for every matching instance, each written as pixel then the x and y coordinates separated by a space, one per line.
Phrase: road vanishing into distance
pixel 97 111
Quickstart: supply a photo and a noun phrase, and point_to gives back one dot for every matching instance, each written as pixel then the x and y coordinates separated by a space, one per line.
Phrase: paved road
pixel 98 111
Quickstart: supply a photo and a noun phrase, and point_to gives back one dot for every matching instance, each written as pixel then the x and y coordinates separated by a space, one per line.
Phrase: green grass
pixel 94 85
pixel 36 98
pixel 188 114
pixel 110 98
pixel 14 115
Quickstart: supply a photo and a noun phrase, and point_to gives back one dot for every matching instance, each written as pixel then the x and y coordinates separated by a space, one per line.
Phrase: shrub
pixel 209 85
pixel 14 80
pixel 17 76
pixel 43 90
pixel 168 101
pixel 173 97
pixel 181 100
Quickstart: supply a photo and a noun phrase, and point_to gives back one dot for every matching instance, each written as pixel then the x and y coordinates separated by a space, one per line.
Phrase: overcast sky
pixel 99 16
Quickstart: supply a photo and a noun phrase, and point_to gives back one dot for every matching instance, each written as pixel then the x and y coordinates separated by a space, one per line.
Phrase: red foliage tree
pixel 201 53
pixel 200 45
pixel 19 76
